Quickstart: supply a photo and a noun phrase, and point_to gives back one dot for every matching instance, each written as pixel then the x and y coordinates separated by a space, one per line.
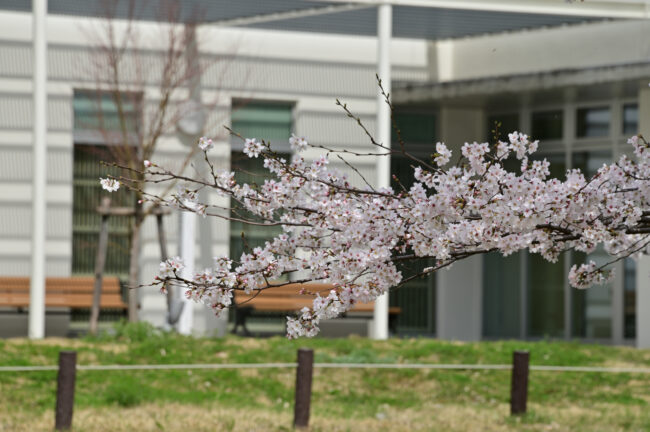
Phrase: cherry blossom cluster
pixel 354 237
pixel 212 287
pixel 109 184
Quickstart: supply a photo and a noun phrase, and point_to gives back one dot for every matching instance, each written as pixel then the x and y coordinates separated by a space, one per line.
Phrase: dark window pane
pixel 547 125
pixel 417 299
pixel 402 169
pixel 270 122
pixel 416 128
pixel 500 125
pixel 251 171
pixel 593 122
pixel 105 111
pixel 545 280
pixel 592 308
pixel 545 297
pixel 501 296
pixel 631 119
pixel 629 300
pixel 591 162
pixel 86 222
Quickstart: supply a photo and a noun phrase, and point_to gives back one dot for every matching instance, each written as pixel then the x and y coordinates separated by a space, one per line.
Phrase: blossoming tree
pixel 354 237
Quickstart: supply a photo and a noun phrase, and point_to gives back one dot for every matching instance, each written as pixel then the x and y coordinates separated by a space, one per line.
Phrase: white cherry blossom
pixel 297 143
pixel 109 184
pixel 252 147
pixel 205 143
pixel 354 237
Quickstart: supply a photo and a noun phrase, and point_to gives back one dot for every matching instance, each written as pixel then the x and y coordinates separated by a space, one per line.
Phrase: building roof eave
pixel 405 93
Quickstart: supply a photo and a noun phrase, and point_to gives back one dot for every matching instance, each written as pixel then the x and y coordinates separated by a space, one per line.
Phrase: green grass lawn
pixel 343 399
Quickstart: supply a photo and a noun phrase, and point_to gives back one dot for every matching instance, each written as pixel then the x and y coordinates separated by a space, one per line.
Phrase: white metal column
pixel 187 234
pixel 643 263
pixel 384 32
pixel 568 136
pixel 39 153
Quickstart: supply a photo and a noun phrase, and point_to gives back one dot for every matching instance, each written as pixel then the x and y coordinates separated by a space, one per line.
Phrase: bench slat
pixel 74 292
pixel 48 290
pixel 77 301
pixel 85 284
pixel 287 298
pixel 294 289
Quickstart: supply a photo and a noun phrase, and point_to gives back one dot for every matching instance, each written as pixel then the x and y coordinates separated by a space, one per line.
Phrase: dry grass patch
pixel 431 417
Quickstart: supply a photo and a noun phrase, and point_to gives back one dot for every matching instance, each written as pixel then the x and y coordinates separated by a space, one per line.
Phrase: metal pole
pixel 188 219
pixel 519 384
pixel 65 389
pixel 384 31
pixel 37 282
pixel 303 387
pixel 188 228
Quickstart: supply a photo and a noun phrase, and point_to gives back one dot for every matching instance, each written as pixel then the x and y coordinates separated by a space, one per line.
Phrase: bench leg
pixel 392 324
pixel 240 320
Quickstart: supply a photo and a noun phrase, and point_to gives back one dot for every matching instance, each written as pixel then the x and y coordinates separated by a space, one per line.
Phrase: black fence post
pixel 519 389
pixel 303 387
pixel 65 389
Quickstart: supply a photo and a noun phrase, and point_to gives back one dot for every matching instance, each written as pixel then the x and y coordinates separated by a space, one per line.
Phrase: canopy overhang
pixel 407 93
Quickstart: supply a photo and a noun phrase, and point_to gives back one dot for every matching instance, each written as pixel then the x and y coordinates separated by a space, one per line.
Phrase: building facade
pixel 581 89
pixel 264 83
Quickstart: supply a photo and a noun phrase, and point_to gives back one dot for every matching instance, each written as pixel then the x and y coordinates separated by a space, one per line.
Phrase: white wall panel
pixel 71 63
pixel 22 193
pixel 16 112
pixel 334 128
pixel 19 266
pixel 22 248
pixel 23 138
pixel 16 165
pixel 547 49
pixel 15 221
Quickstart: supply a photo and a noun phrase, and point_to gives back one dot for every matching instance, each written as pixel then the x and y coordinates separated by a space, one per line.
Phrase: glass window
pixel 417 299
pixel 547 125
pixel 105 111
pixel 593 122
pixel 631 119
pixel 86 222
pixel 268 121
pixel 415 128
pixel 271 122
pixel 545 281
pixel 95 112
pixel 500 125
pixel 629 300
pixel 592 307
pixel 545 297
pixel 501 295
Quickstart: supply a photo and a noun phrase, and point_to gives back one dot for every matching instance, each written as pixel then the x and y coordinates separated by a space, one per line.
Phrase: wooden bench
pixel 62 295
pixel 71 292
pixel 288 299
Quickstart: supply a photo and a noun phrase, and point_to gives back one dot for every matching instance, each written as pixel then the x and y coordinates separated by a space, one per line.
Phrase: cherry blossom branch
pixel 353 238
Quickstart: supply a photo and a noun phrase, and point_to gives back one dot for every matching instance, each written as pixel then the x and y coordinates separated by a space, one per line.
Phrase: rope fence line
pixel 591 369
